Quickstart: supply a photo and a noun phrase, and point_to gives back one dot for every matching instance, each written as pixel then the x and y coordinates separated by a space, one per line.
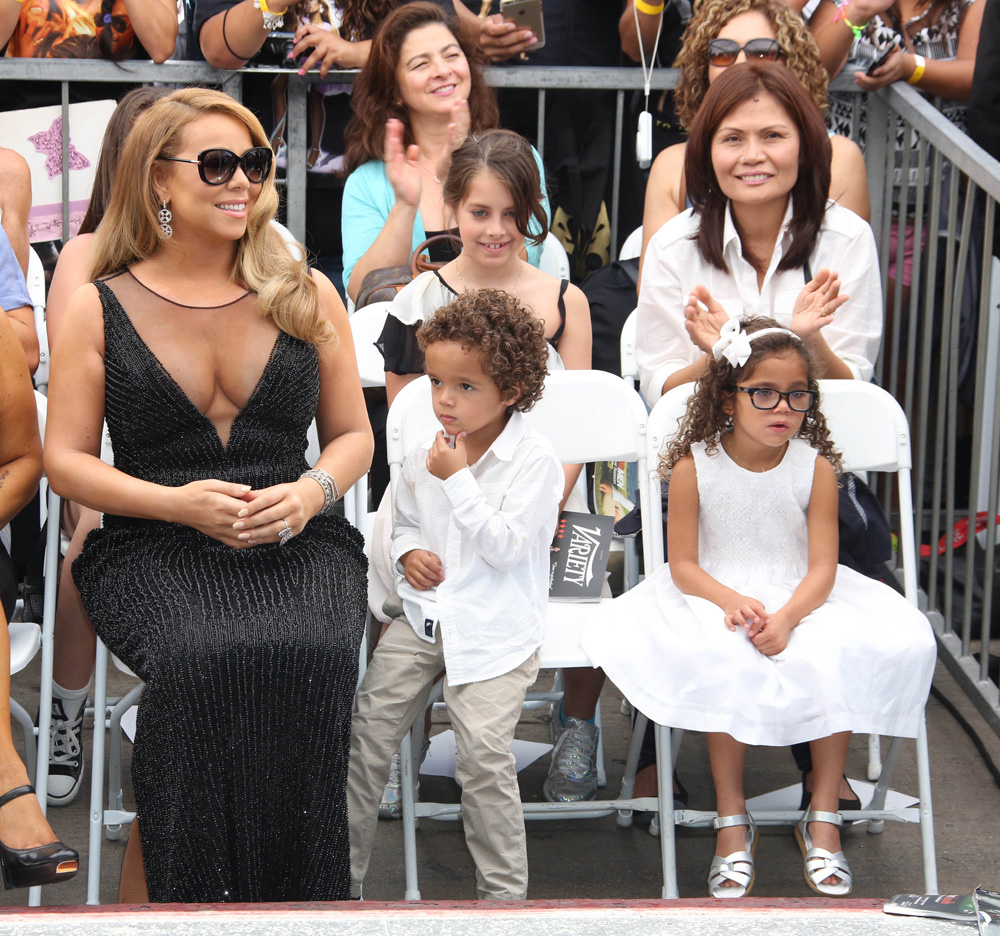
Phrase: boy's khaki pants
pixel 484 715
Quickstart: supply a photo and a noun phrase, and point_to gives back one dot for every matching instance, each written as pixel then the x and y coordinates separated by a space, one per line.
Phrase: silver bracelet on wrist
pixel 271 21
pixel 331 493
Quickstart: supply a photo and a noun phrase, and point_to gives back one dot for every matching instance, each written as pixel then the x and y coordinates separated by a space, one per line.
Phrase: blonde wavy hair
pixel 130 231
pixel 798 49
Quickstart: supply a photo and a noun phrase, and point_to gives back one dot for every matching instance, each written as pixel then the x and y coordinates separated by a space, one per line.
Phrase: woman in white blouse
pixel 761 239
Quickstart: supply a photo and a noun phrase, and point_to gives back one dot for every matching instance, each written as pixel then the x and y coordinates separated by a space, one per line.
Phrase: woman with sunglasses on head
pixel 723 33
pixel 219 574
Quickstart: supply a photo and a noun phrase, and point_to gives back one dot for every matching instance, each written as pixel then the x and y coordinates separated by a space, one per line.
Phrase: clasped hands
pixel 239 516
pixel 768 632
pixel 814 309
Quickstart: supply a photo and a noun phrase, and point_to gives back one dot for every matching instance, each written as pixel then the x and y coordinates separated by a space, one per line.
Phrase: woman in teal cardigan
pixel 420 95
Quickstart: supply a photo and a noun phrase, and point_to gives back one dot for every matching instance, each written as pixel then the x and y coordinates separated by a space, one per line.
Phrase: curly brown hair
pixel 706 418
pixel 510 341
pixel 376 96
pixel 798 49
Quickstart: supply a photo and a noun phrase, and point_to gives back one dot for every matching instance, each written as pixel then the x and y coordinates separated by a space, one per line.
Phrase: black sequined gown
pixel 249 656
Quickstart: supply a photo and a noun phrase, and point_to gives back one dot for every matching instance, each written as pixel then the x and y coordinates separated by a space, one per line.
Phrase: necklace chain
pixel 428 171
pixel 781 454
pixel 465 286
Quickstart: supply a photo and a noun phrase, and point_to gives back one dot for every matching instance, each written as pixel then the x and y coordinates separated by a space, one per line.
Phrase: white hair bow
pixel 733 344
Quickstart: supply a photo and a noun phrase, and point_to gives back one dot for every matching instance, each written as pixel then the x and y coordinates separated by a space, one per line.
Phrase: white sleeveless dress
pixel 861 662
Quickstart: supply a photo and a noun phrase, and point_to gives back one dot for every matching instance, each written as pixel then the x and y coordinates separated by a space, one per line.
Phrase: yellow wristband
pixel 918 71
pixel 648 8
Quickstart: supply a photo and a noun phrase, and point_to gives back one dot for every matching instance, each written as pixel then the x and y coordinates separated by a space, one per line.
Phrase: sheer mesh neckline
pixel 183 305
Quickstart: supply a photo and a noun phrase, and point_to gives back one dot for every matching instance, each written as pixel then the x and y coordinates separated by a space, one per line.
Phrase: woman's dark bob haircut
pixel 739 84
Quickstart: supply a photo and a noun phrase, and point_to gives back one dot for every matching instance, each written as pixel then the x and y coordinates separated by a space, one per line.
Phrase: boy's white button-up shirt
pixel 491 525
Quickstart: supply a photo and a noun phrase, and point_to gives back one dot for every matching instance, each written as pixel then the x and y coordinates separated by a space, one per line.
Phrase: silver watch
pixel 272 21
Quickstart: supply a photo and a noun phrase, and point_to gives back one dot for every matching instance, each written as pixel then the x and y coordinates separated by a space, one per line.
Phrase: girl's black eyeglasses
pixel 724 52
pixel 218 166
pixel 799 401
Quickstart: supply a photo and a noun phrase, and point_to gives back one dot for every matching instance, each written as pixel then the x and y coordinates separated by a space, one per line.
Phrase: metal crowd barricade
pixel 950 198
pixel 920 357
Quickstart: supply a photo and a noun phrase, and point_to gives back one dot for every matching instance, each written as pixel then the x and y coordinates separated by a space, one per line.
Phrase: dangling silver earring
pixel 165 217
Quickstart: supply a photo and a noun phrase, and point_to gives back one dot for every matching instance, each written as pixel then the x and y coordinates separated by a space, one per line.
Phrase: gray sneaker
pixel 573 774
pixel 65 756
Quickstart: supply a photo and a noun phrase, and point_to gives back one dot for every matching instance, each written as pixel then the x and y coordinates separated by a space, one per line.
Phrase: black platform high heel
pixel 43 864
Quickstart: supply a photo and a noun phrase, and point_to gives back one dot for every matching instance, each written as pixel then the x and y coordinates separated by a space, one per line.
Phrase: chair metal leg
pixel 665 793
pixel 45 684
pixel 631 767
pixel 874 757
pixel 602 774
pixel 408 792
pixel 115 792
pixel 926 810
pixel 875 826
pixel 97 777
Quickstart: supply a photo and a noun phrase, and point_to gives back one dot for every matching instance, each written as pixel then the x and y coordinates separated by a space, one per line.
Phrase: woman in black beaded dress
pixel 218 576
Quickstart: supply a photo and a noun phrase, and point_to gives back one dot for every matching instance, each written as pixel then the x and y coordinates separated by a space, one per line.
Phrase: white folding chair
pixel 630 370
pixel 554 260
pixel 26 636
pixel 633 245
pixel 35 282
pixel 587 416
pixel 366 325
pixel 870 430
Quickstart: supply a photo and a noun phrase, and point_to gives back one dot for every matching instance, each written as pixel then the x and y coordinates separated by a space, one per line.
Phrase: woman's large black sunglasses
pixel 218 166
pixel 723 52
pixel 799 401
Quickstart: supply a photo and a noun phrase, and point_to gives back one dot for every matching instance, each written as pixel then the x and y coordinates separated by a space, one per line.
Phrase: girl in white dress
pixel 752 632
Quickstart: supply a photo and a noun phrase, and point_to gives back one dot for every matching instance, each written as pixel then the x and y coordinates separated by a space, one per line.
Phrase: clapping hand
pixel 816 304
pixel 458 131
pixel 443 460
pixel 402 165
pixel 704 318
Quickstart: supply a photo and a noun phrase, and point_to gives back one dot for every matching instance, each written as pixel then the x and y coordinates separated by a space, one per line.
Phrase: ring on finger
pixel 286 534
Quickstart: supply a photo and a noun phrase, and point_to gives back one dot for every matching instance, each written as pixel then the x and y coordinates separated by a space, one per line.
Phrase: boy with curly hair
pixel 475 512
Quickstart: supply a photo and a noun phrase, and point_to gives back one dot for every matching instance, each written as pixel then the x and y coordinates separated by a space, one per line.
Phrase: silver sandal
pixel 820 863
pixel 737 867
